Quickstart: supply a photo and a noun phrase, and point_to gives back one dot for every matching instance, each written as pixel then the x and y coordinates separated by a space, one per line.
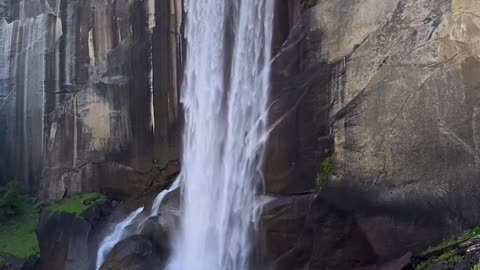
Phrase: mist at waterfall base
pixel 225 95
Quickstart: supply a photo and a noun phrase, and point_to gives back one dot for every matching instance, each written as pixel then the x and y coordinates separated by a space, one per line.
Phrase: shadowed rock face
pixel 70 242
pixel 136 252
pixel 387 89
pixel 80 85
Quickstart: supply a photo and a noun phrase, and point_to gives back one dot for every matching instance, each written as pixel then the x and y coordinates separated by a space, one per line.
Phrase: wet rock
pixel 283 221
pixel 331 239
pixel 159 232
pixel 69 242
pixel 133 253
pixel 64 242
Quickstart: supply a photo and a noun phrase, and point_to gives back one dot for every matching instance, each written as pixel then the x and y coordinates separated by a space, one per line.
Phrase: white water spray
pixel 118 234
pixel 161 196
pixel 225 96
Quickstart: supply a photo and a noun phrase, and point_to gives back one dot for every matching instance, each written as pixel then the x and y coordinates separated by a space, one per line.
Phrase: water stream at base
pixel 120 231
pixel 116 236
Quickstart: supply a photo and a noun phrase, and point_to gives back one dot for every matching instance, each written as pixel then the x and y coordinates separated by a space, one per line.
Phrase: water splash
pixel 120 231
pixel 225 96
pixel 118 234
pixel 161 196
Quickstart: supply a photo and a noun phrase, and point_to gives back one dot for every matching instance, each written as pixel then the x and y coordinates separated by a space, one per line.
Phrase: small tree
pixel 10 200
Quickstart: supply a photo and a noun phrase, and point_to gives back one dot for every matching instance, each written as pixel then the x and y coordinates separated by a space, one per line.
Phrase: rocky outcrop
pixel 81 83
pixel 136 252
pixel 387 90
pixel 68 241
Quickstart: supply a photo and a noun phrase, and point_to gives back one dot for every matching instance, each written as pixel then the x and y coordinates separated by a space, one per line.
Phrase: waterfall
pixel 225 94
pixel 118 234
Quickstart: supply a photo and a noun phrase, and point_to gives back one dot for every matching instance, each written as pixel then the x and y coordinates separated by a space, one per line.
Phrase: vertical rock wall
pixel 389 91
pixel 80 84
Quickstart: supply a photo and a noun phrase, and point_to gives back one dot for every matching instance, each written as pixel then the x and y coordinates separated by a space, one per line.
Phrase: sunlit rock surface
pixel 388 90
pixel 80 84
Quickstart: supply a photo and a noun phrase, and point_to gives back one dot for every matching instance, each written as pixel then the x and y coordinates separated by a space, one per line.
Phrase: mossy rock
pixel 454 253
pixel 78 205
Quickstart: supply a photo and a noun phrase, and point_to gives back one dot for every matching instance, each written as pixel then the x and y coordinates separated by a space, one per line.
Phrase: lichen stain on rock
pixel 459 31
pixel 95 112
pixel 339 22
pixel 470 71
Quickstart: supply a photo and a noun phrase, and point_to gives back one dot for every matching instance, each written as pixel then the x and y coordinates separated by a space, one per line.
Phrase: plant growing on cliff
pixel 11 197
pixel 325 174
pixel 18 224
pixel 77 205
pixel 450 243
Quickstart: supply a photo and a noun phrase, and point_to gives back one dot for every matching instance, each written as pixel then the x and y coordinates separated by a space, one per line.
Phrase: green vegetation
pixel 326 173
pixel 11 198
pixel 77 205
pixel 449 258
pixel 452 242
pixel 444 254
pixel 19 219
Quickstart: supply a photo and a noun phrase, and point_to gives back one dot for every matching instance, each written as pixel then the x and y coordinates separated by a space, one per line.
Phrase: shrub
pixel 18 221
pixel 326 173
pixel 11 197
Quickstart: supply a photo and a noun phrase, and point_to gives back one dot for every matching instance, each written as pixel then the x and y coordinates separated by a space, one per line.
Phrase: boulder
pixel 134 253
pixel 315 234
pixel 159 232
pixel 283 221
pixel 69 242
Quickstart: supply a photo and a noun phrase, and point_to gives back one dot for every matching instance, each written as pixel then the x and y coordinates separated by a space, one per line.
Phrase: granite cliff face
pixel 87 88
pixel 386 89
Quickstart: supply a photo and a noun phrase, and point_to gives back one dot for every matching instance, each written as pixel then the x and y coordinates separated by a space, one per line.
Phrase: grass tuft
pixel 452 242
pixel 325 174
pixel 77 205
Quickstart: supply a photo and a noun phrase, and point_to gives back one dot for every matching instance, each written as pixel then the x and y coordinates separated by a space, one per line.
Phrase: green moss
pixel 326 173
pixel 17 235
pixel 452 242
pixel 77 205
pixel 421 266
pixel 448 258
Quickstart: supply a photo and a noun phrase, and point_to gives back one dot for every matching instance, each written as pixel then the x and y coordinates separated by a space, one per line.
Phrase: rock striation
pixel 87 82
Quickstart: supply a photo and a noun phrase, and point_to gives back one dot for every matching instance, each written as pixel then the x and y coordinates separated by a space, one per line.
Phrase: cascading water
pixel 116 236
pixel 225 96
pixel 120 231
